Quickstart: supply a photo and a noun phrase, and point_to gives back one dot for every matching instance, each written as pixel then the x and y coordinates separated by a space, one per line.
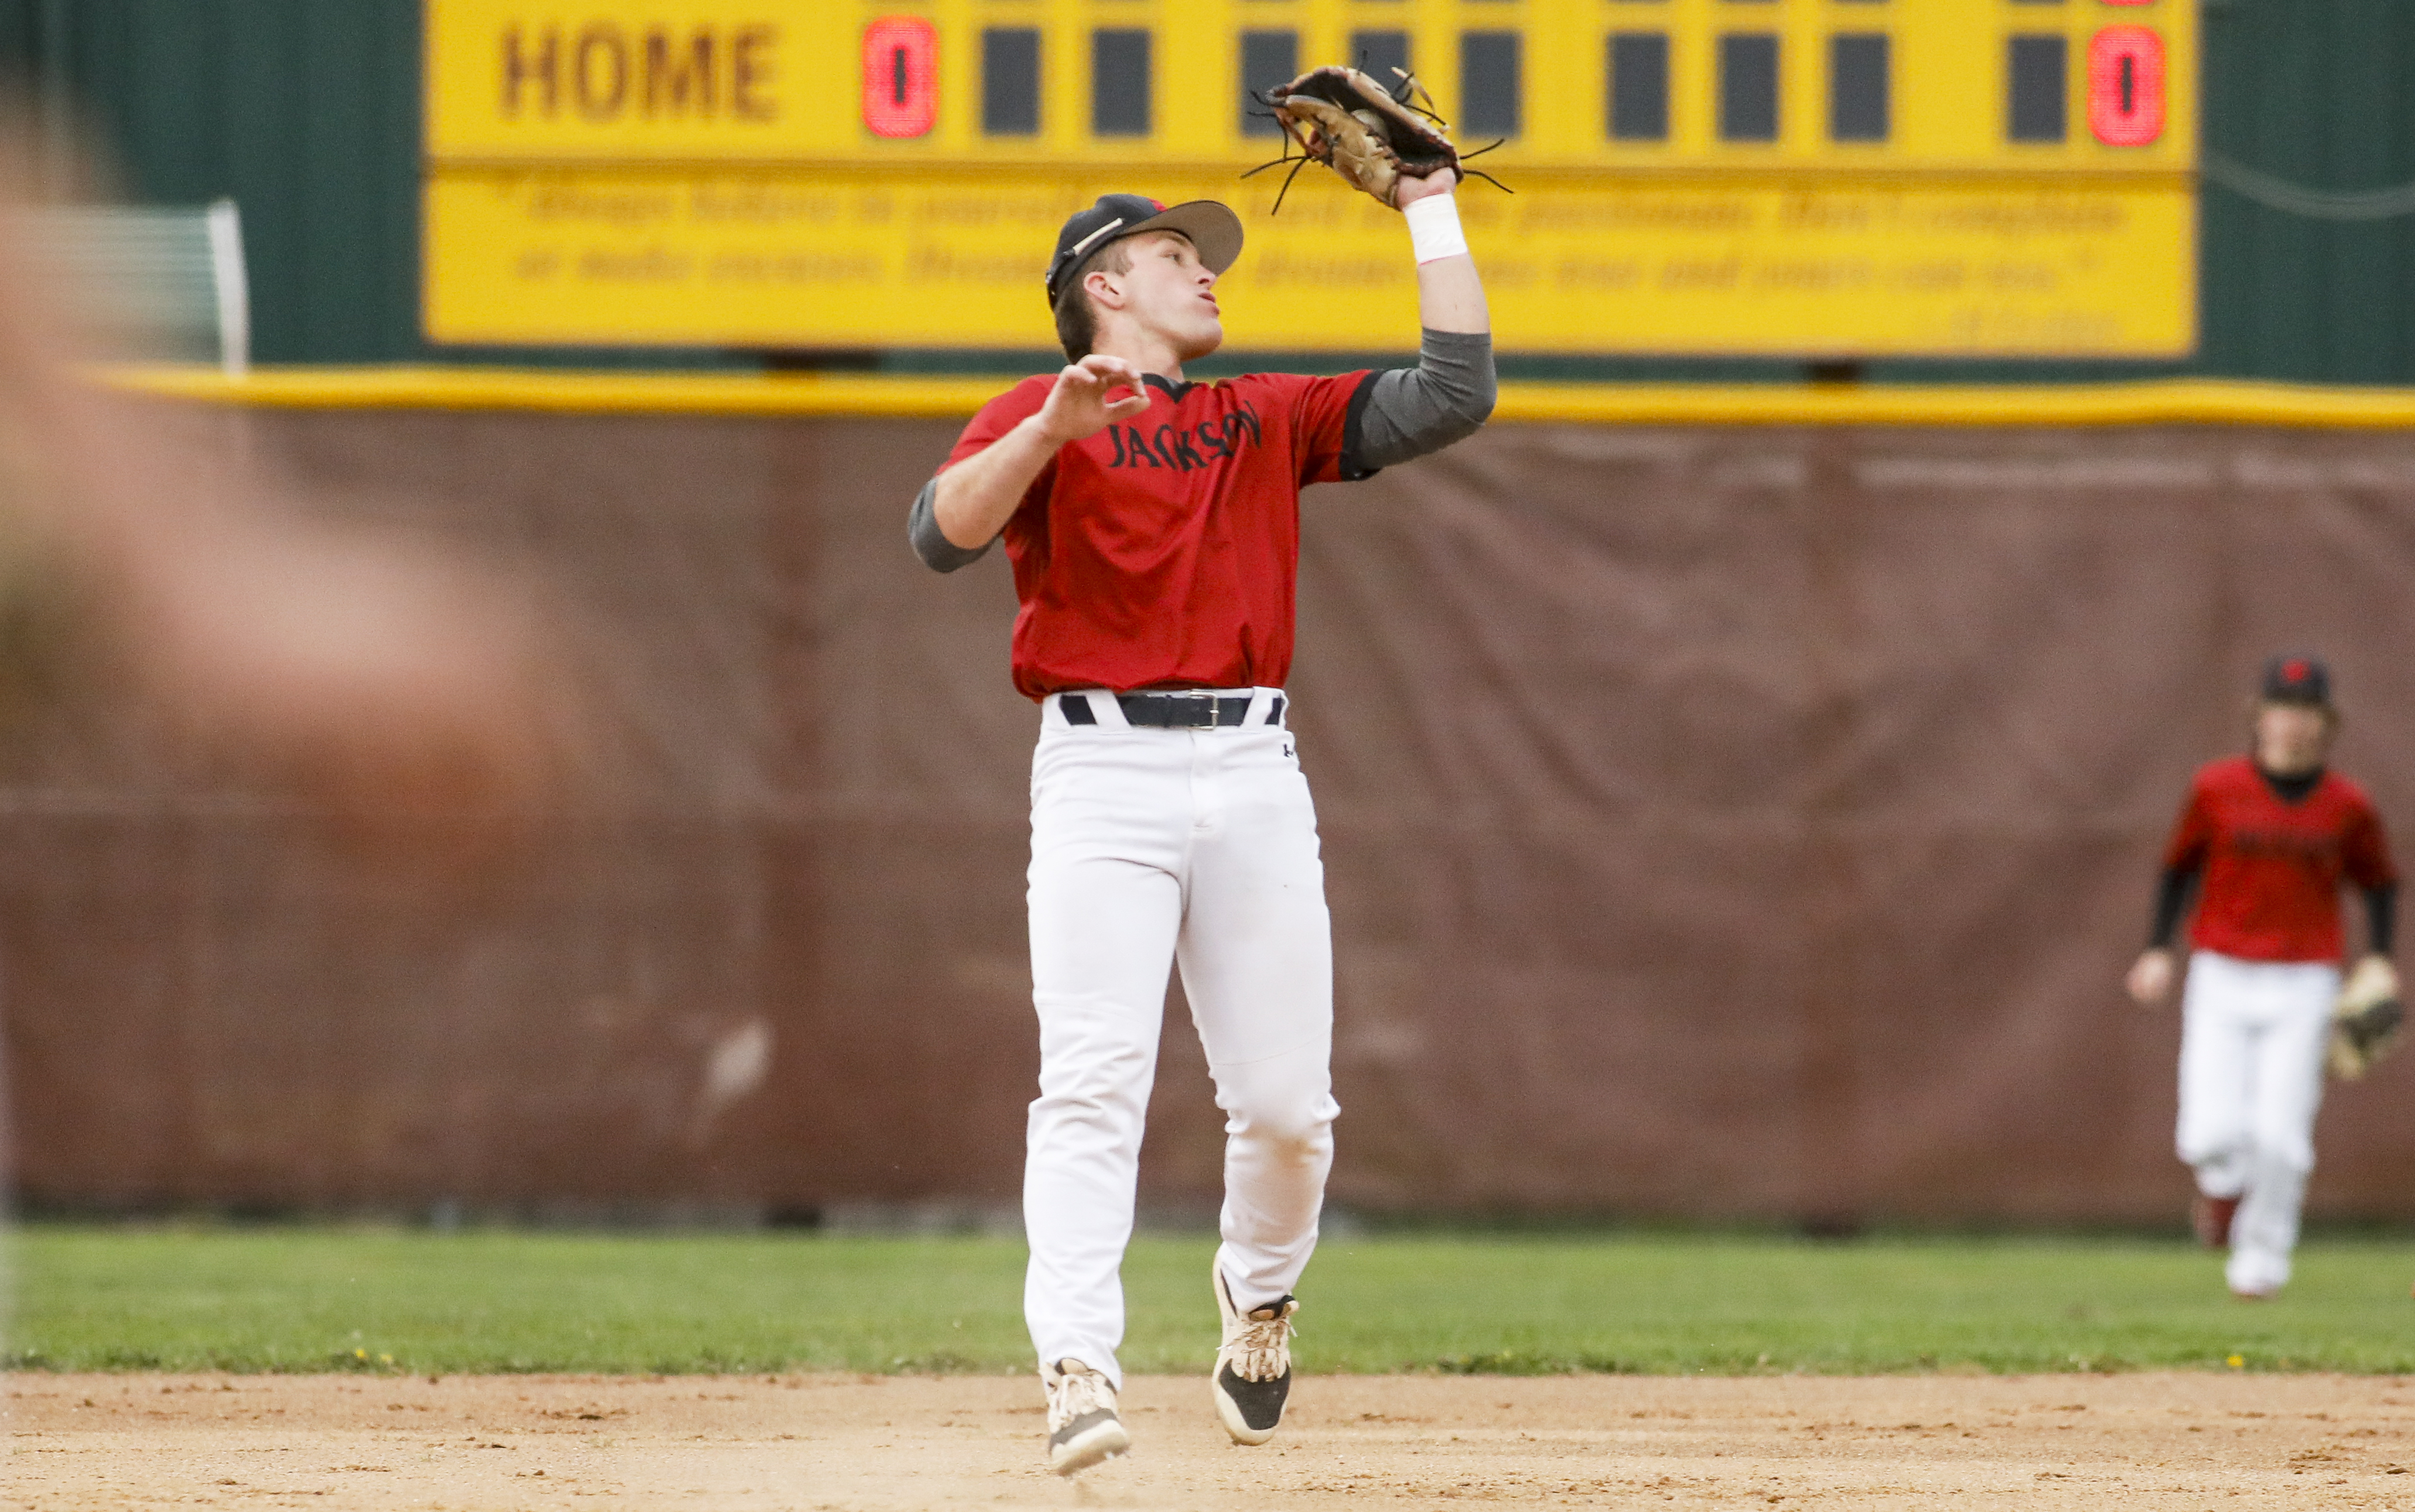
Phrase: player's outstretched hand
pixel 1079 407
pixel 2151 978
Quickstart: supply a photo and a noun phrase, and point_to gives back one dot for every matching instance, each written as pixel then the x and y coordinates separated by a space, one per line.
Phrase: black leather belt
pixel 1182 710
pixel 1173 710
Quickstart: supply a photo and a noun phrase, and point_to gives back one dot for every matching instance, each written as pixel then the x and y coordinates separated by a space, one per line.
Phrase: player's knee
pixel 2289 1152
pixel 1297 1121
pixel 2204 1140
pixel 1105 1078
pixel 1300 1131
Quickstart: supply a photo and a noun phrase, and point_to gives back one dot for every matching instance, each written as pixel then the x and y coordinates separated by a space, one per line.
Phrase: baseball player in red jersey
pixel 1153 526
pixel 2267 840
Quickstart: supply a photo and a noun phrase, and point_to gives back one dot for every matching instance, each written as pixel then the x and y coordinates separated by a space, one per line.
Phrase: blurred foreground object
pixel 165 281
pixel 390 682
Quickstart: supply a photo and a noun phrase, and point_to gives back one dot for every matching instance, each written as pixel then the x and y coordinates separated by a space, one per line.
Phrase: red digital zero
pixel 2125 86
pixel 901 88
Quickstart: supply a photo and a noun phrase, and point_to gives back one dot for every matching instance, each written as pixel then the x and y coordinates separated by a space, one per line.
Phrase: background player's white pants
pixel 1150 847
pixel 2253 1035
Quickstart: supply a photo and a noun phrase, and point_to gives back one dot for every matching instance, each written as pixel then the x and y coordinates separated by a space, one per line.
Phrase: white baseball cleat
pixel 1083 1427
pixel 1253 1366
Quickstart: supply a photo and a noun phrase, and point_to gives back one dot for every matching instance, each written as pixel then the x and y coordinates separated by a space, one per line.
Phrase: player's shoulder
pixel 2348 790
pixel 1241 382
pixel 1008 409
pixel 1313 400
pixel 1027 394
pixel 2231 773
pixel 1257 390
pixel 1002 414
pixel 1283 384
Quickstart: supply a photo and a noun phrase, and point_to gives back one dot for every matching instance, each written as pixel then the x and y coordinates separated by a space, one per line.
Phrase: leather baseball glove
pixel 1372 136
pixel 2365 1022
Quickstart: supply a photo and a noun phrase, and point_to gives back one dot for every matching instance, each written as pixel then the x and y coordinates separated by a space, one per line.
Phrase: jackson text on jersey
pixel 1165 552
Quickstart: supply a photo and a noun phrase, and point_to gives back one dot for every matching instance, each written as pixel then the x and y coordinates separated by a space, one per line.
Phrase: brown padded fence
pixel 1720 821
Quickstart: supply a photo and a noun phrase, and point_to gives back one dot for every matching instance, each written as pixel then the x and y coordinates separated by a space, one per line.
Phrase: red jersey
pixel 2274 869
pixel 1164 550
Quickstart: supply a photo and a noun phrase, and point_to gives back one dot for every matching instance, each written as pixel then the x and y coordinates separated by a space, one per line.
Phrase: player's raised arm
pixel 962 510
pixel 1450 296
pixel 1449 394
pixel 1387 142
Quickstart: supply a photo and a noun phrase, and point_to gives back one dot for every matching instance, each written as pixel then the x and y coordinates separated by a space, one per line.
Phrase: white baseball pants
pixel 2253 1036
pixel 1150 847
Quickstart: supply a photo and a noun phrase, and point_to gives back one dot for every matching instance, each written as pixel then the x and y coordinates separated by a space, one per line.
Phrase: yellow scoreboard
pixel 1776 177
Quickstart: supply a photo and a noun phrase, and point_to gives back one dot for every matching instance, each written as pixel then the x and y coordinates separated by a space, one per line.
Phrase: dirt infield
pixel 2179 1442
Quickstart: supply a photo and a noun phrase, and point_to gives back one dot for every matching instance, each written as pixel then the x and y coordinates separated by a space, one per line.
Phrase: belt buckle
pixel 1216 702
pixel 1185 708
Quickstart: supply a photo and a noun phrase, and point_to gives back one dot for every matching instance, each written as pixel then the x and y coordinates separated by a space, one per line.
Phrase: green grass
pixel 320 1298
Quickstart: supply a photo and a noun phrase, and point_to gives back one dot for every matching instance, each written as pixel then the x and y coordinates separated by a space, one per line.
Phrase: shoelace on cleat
pixel 1078 1392
pixel 1260 1350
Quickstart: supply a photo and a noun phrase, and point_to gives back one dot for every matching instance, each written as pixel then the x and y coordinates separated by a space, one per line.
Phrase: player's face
pixel 1171 293
pixel 2291 737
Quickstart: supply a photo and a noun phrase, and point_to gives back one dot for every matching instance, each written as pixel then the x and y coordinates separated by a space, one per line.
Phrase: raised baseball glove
pixel 1372 136
pixel 2365 1022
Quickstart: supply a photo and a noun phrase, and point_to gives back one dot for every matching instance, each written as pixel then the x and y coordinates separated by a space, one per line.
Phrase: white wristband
pixel 1434 228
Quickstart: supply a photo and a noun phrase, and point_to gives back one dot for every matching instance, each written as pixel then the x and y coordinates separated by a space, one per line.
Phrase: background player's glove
pixel 2365 1021
pixel 1373 137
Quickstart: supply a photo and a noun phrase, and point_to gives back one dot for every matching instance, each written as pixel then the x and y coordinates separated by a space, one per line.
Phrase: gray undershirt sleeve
pixel 938 552
pixel 1416 411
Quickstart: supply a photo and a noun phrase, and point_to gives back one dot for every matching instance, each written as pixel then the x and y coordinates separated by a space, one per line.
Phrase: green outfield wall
pixel 307 114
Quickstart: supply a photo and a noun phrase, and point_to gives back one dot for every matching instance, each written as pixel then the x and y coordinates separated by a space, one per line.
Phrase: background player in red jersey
pixel 1153 524
pixel 2267 839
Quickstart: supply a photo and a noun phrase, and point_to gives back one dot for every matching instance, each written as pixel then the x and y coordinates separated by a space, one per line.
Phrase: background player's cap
pixel 1213 228
pixel 2294 677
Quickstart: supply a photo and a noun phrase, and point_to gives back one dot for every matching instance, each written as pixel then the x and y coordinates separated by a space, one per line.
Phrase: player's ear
pixel 1103 288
